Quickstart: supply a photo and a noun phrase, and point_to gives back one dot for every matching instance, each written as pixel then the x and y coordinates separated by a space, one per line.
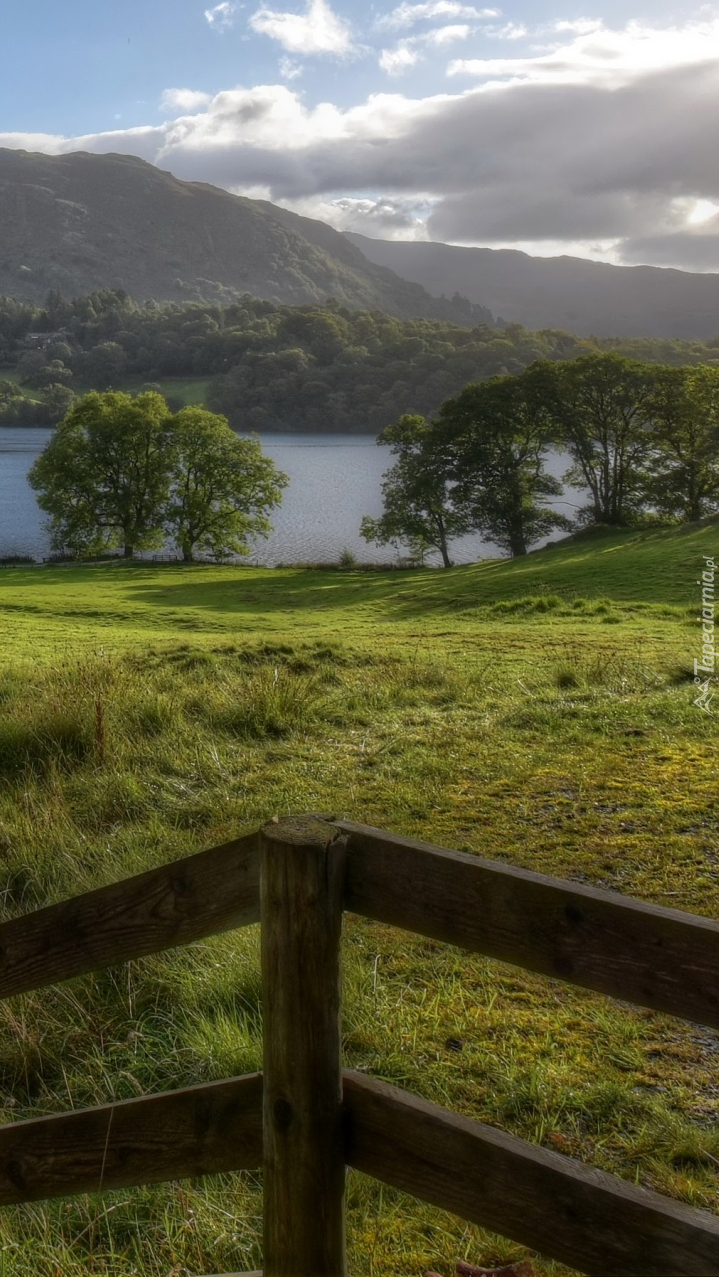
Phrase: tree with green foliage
pixel 221 486
pixel 52 373
pixel 599 407
pixel 57 400
pixel 29 364
pixel 104 477
pixel 495 438
pixel 10 392
pixel 103 366
pixel 684 464
pixel 418 507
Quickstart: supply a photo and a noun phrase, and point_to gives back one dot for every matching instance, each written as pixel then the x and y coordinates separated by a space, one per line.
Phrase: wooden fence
pixel 304 1119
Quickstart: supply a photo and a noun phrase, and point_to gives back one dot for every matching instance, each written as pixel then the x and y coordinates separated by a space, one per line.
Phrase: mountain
pixel 81 222
pixel 582 297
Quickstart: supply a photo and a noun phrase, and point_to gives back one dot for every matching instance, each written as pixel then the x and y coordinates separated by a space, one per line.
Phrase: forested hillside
pixel 269 366
pixel 82 222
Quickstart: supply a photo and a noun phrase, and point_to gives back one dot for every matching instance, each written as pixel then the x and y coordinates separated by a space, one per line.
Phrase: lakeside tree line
pixel 642 439
pixel 274 367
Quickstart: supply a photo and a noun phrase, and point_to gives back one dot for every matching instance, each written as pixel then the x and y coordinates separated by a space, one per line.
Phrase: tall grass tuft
pixel 271 702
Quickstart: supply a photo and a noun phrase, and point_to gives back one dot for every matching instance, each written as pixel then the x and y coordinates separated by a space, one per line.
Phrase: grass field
pixel 535 711
pixel 9 374
pixel 191 390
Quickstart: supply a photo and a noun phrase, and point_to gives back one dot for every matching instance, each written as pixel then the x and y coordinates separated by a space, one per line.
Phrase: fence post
pixel 303 1159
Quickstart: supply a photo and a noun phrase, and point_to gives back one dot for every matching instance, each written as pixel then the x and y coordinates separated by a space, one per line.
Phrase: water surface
pixel 334 481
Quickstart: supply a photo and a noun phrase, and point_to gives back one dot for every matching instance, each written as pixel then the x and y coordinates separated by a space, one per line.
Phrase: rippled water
pixel 334 481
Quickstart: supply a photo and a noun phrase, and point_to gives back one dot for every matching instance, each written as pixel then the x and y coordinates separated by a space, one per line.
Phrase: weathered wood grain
pixel 304 1166
pixel 645 954
pixel 592 1221
pixel 199 1130
pixel 201 895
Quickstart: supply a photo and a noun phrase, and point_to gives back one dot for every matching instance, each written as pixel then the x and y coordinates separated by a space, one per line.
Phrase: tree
pixel 9 393
pixel 53 373
pixel 221 486
pixel 495 438
pixel 599 407
pixel 102 365
pixel 29 364
pixel 684 466
pixel 104 476
pixel 57 400
pixel 418 504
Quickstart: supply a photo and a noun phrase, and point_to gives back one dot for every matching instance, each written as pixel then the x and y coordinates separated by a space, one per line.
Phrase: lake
pixel 334 481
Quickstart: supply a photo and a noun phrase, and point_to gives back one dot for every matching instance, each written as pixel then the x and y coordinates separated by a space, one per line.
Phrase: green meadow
pixel 189 390
pixel 537 711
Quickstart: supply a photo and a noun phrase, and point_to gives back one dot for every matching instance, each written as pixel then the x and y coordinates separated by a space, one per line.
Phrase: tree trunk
pixel 442 539
pixel 517 536
pixel 694 511
pixel 128 551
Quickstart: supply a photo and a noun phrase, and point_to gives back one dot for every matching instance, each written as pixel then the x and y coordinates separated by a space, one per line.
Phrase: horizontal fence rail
pixel 593 1221
pixel 200 1130
pixel 654 957
pixel 202 895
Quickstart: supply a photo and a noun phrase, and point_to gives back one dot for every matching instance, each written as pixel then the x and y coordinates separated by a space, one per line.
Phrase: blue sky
pixel 75 68
pixel 550 127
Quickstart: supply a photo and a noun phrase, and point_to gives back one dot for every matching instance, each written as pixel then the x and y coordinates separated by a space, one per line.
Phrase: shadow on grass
pixel 636 567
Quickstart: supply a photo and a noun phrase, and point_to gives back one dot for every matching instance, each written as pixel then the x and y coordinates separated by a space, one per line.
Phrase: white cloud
pixel 701 212
pixel 249 123
pixel 403 56
pixel 222 17
pixel 408 52
pixel 185 100
pixel 600 55
pixel 581 26
pixel 45 143
pixel 406 15
pixel 317 30
pixel 379 217
pixel 446 35
pixel 290 70
pixel 511 31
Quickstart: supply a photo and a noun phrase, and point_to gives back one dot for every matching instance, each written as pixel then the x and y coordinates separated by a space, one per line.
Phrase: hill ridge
pixel 581 296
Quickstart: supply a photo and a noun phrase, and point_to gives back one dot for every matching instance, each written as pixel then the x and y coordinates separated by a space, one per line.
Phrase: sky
pixel 552 128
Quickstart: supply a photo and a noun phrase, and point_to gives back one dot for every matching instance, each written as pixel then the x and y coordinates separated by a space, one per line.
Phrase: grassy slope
pixel 534 711
pixel 191 390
